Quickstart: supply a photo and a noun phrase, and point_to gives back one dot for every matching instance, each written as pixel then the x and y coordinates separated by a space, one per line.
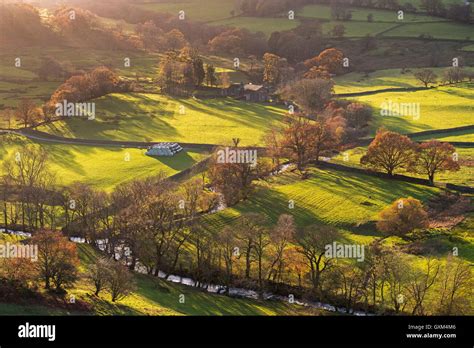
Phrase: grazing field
pixel 355 82
pixel 102 167
pixel 357 29
pixel 260 24
pixel 443 107
pixel 153 296
pixel 447 30
pixel 466 135
pixel 152 117
pixel 342 199
pixel 194 9
pixel 465 176
pixel 361 14
pixel 16 83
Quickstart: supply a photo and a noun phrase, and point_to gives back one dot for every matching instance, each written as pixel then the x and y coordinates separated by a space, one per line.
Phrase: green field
pixel 356 82
pixel 102 167
pixel 360 14
pixel 466 135
pixel 447 30
pixel 153 117
pixel 213 10
pixel 260 24
pixel 465 176
pixel 156 297
pixel 443 107
pixel 357 29
pixel 16 83
pixel 343 199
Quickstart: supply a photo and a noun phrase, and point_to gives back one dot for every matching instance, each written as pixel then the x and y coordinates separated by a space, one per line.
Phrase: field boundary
pixel 399 177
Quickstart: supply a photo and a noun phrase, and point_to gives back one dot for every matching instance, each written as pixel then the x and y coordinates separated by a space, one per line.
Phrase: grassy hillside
pixel 152 117
pixel 195 10
pixel 339 198
pixel 443 107
pixel 355 82
pixel 102 167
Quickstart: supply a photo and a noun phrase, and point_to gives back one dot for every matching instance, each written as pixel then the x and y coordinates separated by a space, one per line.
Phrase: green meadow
pixel 153 117
pixel 356 82
pixel 194 10
pixel 442 107
pixel 102 167
pixel 343 199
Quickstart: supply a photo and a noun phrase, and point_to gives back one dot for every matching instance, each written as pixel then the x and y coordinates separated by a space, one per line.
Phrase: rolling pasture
pixel 101 167
pixel 442 107
pixel 153 117
pixel 342 199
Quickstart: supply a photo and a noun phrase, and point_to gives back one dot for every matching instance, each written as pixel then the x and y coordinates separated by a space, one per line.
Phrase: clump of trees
pixel 97 83
pixel 112 276
pixel 402 217
pixel 390 151
pixel 181 72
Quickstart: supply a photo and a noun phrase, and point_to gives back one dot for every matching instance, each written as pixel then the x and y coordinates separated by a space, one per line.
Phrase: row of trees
pixel 390 151
pixel 451 75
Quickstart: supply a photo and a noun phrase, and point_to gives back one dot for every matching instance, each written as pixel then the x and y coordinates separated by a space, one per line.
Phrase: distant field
pixel 465 176
pixel 102 167
pixel 444 107
pixel 256 24
pixel 16 83
pixel 467 135
pixel 447 30
pixel 212 10
pixel 390 78
pixel 357 29
pixel 324 198
pixel 468 48
pixel 153 117
pixel 360 14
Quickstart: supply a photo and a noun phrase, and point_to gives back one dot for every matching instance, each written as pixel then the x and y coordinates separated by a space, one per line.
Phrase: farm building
pixel 164 149
pixel 248 92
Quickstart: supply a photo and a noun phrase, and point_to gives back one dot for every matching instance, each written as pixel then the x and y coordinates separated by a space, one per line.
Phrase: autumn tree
pixel 312 242
pixel 402 217
pixel 305 140
pixel 272 68
pixel 120 282
pixel 425 76
pixel 456 287
pixel 210 75
pixel 281 236
pixel 420 281
pixel 389 151
pixel 330 59
pixel 99 273
pixel 338 31
pixel 434 156
pixel 311 95
pixel 57 259
pixel 27 112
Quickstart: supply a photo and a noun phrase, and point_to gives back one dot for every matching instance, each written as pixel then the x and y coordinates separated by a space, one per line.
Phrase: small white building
pixel 164 149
